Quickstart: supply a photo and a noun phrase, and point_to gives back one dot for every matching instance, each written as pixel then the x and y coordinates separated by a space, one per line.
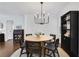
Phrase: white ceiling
pixel 22 8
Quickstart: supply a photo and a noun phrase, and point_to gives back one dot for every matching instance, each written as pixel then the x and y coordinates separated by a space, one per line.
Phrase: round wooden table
pixel 38 39
pixel 41 38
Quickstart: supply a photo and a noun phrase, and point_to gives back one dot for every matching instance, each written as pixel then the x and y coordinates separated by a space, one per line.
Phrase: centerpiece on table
pixel 38 34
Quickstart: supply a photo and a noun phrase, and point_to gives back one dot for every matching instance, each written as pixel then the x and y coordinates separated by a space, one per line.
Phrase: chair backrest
pixel 57 43
pixel 33 45
pixel 42 33
pixel 53 35
pixel 28 34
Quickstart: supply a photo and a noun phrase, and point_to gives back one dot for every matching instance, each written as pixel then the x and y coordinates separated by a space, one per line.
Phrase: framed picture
pixel 19 27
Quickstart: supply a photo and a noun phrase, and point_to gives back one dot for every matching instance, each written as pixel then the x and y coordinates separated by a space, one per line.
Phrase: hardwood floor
pixel 7 48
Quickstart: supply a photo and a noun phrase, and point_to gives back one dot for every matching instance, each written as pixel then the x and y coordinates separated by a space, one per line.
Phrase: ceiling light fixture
pixel 42 17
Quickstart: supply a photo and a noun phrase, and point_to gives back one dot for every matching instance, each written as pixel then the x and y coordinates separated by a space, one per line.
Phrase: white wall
pixel 31 27
pixel 18 20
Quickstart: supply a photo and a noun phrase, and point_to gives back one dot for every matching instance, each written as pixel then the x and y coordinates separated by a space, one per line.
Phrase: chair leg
pixel 21 52
pixel 27 54
pixel 31 55
pixel 58 53
pixel 40 53
pixel 53 53
pixel 44 51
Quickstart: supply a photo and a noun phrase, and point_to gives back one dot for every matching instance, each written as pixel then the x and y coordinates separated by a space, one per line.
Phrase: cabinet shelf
pixel 2 37
pixel 17 35
pixel 70 32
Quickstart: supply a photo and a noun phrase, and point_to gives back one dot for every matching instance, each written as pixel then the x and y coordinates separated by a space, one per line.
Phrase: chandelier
pixel 42 17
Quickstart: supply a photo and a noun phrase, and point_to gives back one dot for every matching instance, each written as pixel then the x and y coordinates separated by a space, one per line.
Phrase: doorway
pixel 9 29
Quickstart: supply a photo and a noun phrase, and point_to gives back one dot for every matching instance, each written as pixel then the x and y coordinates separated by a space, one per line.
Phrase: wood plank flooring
pixel 7 48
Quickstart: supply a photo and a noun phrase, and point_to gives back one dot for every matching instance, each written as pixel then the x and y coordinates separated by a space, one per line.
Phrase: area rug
pixel 62 53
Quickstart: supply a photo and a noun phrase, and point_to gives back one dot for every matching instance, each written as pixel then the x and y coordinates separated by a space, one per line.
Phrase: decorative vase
pixel 38 35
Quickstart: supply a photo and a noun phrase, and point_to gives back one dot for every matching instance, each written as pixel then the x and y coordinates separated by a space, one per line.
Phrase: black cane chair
pixel 22 46
pixel 51 49
pixel 34 48
pixel 43 34
pixel 28 34
pixel 54 36
pixel 52 40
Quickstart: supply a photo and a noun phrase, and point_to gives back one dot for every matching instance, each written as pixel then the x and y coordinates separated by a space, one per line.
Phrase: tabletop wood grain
pixel 38 39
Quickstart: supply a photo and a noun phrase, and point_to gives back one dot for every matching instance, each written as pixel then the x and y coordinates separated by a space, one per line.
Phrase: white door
pixel 9 29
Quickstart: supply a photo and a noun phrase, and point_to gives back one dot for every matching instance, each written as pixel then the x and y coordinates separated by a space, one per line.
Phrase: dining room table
pixel 40 38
